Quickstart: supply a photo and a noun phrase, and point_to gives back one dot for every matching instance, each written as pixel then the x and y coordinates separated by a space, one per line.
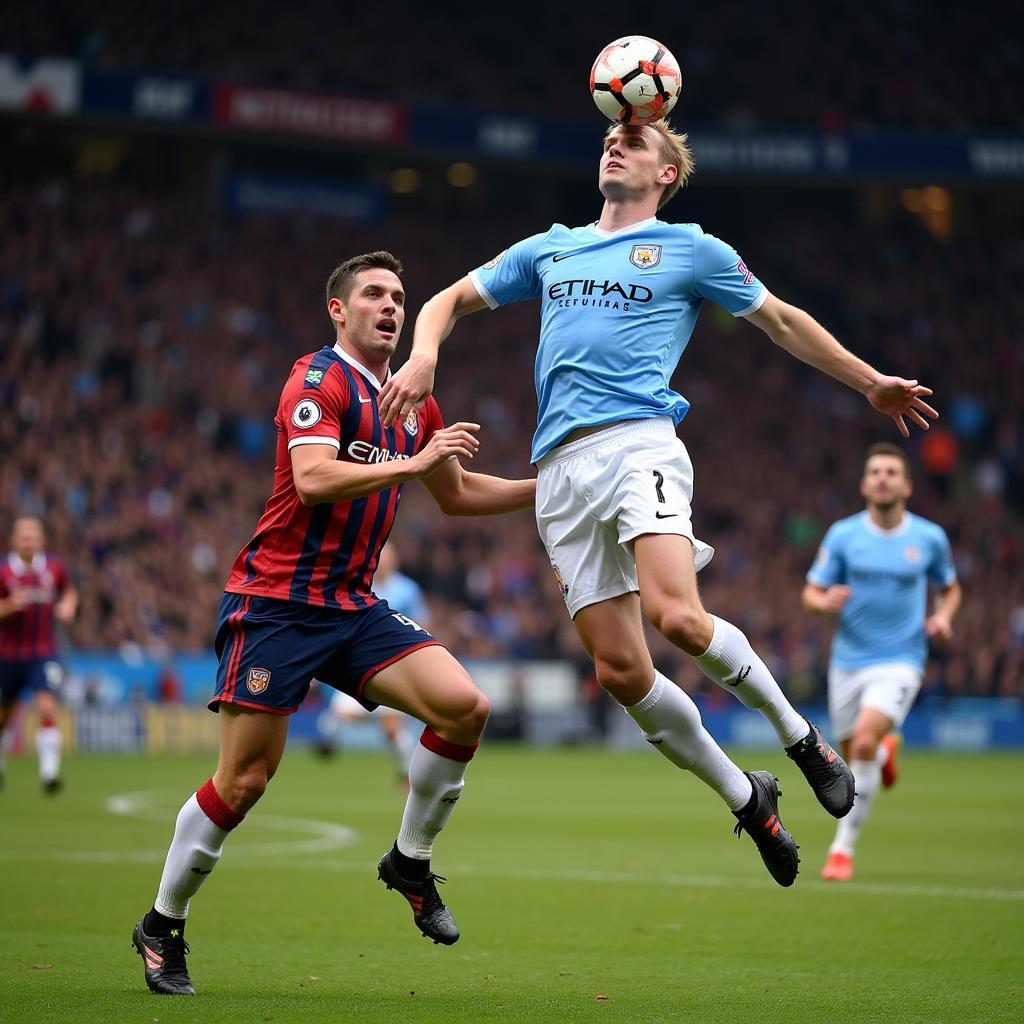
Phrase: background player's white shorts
pixel 595 496
pixel 889 688
pixel 343 704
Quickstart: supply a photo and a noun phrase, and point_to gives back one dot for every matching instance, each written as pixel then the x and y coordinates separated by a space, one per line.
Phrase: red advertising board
pixel 317 115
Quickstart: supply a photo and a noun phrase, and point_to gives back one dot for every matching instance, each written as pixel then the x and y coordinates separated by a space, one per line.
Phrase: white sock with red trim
pixel 732 663
pixel 671 724
pixel 199 833
pixel 436 772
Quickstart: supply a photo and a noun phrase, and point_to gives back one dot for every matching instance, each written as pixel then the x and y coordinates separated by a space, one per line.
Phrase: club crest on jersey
pixel 257 680
pixel 645 256
pixel 912 555
pixel 412 424
pixel 748 277
pixel 497 259
pixel 306 413
pixel 314 377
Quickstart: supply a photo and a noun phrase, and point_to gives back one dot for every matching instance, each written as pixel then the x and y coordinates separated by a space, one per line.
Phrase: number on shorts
pixel 406 621
pixel 659 481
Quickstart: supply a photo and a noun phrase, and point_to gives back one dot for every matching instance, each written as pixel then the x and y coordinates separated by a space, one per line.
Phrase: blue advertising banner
pixel 250 193
pixel 147 96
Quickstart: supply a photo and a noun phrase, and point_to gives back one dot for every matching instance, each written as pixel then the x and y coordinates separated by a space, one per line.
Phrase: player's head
pixel 640 160
pixel 27 537
pixel 886 482
pixel 366 301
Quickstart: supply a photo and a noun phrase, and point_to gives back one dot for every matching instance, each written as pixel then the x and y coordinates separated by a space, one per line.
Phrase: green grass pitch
pixel 589 886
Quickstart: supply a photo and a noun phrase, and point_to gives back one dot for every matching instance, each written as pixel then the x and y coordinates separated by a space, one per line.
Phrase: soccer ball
pixel 635 80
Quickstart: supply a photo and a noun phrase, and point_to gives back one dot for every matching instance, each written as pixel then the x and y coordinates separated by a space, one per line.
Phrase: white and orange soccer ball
pixel 635 80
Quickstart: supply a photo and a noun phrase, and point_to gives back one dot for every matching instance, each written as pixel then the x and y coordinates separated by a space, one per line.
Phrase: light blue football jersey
pixel 887 572
pixel 617 311
pixel 403 595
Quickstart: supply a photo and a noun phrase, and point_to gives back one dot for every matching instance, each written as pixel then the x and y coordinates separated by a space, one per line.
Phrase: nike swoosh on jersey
pixel 565 255
pixel 361 399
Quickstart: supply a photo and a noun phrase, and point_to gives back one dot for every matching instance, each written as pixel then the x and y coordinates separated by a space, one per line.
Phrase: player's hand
pixel 897 398
pixel 449 443
pixel 835 597
pixel 938 627
pixel 407 389
pixel 63 613
pixel 18 601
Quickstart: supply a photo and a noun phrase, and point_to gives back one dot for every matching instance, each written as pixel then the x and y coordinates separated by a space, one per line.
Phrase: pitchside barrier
pixel 132 703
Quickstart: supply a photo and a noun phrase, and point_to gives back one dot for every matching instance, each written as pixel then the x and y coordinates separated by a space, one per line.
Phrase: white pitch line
pixel 690 881
pixel 330 836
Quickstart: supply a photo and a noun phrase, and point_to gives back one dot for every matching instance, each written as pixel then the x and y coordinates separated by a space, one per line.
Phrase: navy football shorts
pixel 37 674
pixel 269 651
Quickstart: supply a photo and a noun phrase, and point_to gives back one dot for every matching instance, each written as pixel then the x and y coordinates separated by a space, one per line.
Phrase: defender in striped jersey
pixel 299 604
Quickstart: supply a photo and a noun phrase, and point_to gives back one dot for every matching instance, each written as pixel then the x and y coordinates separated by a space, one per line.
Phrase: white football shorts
pixel 890 688
pixel 348 707
pixel 595 496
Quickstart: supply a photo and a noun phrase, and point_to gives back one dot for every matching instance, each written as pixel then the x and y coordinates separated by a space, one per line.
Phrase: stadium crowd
pixel 905 64
pixel 144 340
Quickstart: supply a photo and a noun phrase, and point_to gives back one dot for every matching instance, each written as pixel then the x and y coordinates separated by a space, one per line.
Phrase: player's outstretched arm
pixel 460 493
pixel 409 387
pixel 802 336
pixel 320 477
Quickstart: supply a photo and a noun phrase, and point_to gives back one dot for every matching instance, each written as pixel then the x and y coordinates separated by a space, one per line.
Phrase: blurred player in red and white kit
pixel 36 594
pixel 299 605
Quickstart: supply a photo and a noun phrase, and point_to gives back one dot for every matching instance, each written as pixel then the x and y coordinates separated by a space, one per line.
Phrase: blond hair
pixel 675 150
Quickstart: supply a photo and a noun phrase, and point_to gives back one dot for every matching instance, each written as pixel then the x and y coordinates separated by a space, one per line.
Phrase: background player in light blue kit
pixel 873 570
pixel 619 299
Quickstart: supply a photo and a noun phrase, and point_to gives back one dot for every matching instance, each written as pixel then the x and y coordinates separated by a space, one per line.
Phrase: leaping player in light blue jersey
pixel 619 299
pixel 873 571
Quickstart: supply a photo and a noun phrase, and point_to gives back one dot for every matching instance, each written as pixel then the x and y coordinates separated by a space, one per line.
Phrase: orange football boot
pixel 838 868
pixel 891 768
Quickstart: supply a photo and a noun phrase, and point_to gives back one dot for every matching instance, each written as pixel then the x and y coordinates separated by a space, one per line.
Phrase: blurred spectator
pixel 144 341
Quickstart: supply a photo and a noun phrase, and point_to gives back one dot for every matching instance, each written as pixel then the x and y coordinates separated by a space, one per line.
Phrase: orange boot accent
pixel 891 768
pixel 838 868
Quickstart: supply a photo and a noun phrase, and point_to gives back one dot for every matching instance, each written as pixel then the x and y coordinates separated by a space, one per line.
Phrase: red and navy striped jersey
pixel 326 554
pixel 30 633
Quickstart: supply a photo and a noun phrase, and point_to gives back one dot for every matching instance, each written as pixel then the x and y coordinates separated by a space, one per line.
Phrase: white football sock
pixel 671 724
pixel 195 849
pixel 436 773
pixel 49 743
pixel 868 777
pixel 732 663
pixel 403 747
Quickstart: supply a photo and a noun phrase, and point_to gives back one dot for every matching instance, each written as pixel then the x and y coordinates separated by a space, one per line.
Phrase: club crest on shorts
pixel 257 680
pixel 412 424
pixel 645 256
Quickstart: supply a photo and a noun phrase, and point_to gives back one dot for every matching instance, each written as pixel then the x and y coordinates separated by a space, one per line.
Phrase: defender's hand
pixel 406 390
pixel 896 398
pixel 449 443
